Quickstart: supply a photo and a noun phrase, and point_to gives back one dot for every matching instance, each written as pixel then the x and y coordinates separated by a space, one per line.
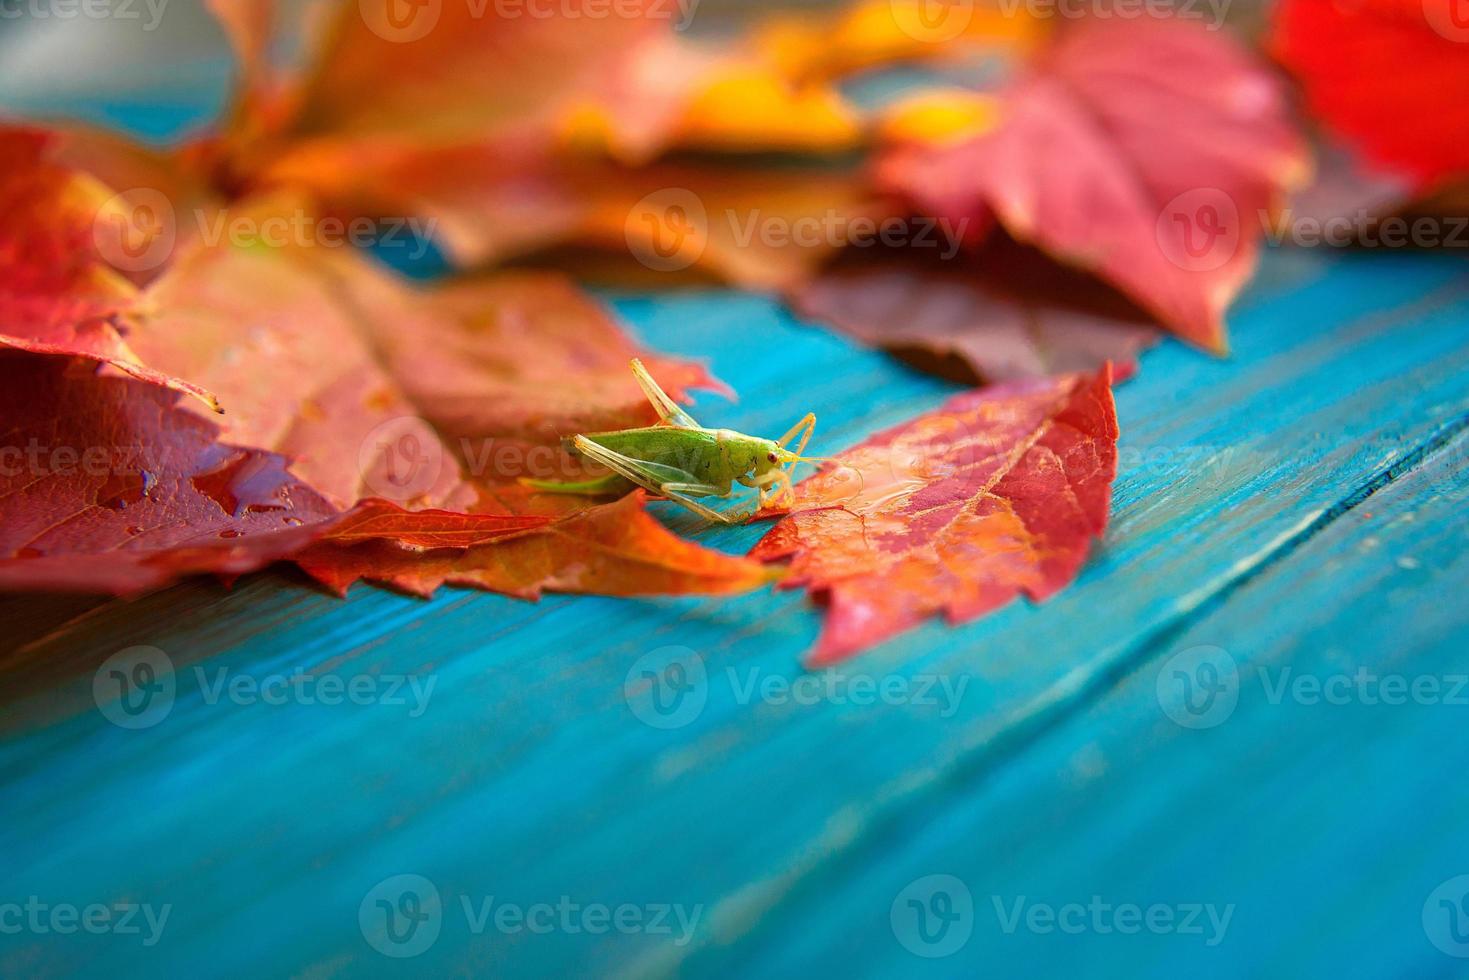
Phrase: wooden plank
pixel 1320 794
pixel 528 777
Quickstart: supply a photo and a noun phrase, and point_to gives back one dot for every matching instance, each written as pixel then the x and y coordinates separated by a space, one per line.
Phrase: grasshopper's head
pixel 776 457
pixel 768 456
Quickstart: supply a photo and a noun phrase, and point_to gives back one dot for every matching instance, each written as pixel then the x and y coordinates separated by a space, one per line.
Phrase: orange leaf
pixel 382 520
pixel 613 549
pixel 672 92
pixel 998 493
pixel 870 33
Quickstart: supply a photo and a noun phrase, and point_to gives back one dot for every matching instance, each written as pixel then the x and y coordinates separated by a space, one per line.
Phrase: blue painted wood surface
pixel 1299 506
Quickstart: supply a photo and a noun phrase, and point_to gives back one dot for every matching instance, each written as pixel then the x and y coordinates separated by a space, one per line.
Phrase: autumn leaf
pixel 479 98
pixel 998 493
pixel 1388 75
pixel 873 33
pixel 1144 152
pixel 1002 314
pixel 614 549
pixel 377 389
pixel 462 70
pixel 383 520
pixel 60 294
pixel 763 228
pixel 505 138
pixel 727 97
pixel 110 485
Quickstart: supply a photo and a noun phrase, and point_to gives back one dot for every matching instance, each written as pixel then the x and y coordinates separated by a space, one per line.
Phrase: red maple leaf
pixel 1144 152
pixel 108 484
pixel 998 493
pixel 1392 76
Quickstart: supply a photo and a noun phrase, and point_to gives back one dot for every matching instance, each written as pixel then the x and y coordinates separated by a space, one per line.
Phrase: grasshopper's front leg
pixel 763 484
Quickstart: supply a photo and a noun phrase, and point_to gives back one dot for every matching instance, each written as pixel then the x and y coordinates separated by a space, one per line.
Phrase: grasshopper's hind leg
pixel 611 485
pixel 666 481
pixel 668 410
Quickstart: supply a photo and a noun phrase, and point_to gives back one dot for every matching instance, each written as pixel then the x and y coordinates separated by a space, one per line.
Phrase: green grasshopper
pixel 681 460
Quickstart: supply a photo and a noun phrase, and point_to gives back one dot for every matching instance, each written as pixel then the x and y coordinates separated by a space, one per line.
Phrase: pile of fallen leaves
pixel 179 399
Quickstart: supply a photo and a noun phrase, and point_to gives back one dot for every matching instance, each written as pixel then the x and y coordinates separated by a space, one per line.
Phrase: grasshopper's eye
pixel 770 456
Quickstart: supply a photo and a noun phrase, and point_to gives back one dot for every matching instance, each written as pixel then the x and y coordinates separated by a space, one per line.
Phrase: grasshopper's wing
pixel 668 410
pixel 677 485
